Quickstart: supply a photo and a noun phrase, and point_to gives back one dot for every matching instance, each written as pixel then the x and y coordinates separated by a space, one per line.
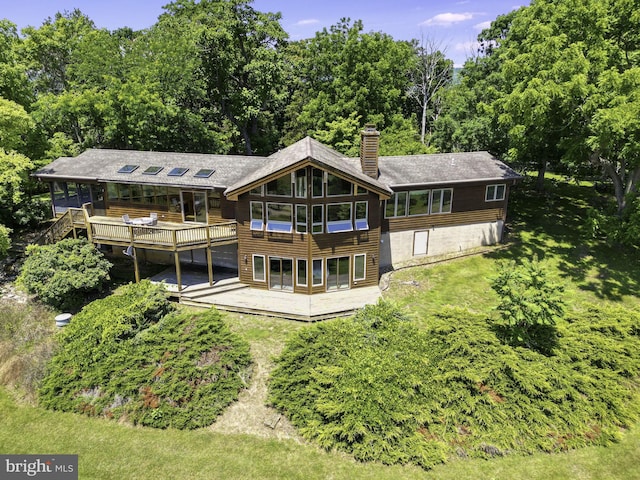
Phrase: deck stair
pixel 69 222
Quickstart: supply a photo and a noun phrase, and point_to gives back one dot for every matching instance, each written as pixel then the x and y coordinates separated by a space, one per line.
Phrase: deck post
pixel 136 269
pixel 209 266
pixel 176 255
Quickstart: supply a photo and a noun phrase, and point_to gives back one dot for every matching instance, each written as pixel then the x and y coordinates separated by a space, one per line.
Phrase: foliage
pixel 529 299
pixel 126 356
pixel 63 274
pixel 358 385
pixel 382 389
pixel 344 74
pixel 5 240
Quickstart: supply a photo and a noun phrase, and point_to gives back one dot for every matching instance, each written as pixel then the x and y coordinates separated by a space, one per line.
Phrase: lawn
pixel 550 225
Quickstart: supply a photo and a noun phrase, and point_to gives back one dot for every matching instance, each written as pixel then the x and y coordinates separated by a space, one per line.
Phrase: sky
pixel 452 24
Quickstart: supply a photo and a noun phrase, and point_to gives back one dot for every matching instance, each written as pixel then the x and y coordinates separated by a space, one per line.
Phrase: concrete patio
pixel 227 293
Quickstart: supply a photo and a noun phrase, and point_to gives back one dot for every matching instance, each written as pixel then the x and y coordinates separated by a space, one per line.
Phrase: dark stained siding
pixel 468 207
pixel 308 246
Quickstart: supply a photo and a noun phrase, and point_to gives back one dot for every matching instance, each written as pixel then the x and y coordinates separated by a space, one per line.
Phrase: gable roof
pixel 443 168
pixel 316 153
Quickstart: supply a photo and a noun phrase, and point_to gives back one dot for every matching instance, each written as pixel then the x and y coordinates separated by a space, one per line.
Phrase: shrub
pixel 5 241
pixel 64 274
pixel 128 356
pixel 529 299
pixel 385 390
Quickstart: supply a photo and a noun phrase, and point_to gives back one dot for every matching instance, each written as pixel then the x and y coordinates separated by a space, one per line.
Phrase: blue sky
pixel 453 24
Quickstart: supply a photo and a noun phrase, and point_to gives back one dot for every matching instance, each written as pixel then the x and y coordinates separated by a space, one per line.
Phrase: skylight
pixel 127 168
pixel 177 172
pixel 152 170
pixel 204 173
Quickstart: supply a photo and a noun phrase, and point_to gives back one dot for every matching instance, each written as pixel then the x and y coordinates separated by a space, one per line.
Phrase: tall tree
pixel 432 73
pixel 342 74
pixel 14 84
pixel 241 65
pixel 571 75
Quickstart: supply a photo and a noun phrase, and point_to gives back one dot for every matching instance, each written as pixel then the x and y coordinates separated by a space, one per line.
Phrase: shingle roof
pixel 442 168
pixel 235 172
pixel 102 165
pixel 320 154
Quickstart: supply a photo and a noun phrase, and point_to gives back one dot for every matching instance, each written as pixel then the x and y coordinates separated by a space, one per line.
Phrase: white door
pixel 420 242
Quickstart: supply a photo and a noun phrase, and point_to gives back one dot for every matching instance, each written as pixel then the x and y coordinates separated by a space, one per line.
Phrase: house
pixel 306 219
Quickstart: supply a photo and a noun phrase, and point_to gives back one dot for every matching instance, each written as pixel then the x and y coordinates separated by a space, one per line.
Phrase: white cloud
pixel 483 25
pixel 308 21
pixel 447 19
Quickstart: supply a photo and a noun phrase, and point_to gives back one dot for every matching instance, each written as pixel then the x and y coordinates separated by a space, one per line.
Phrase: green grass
pixel 108 450
pixel 550 225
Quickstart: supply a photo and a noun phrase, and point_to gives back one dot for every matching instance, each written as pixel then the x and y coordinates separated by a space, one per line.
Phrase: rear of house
pixel 304 220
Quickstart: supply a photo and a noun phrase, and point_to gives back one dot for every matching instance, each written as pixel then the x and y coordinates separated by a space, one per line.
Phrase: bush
pixel 5 241
pixel 385 390
pixel 529 300
pixel 129 356
pixel 64 274
pixel 32 212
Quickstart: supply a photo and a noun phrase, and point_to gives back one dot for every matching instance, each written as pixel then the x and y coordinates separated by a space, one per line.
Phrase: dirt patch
pixel 250 415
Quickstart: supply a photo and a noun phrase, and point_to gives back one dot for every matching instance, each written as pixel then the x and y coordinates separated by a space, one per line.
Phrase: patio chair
pixel 154 218
pixel 126 219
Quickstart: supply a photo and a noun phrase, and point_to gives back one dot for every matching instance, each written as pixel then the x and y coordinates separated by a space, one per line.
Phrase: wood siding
pixel 306 245
pixel 468 207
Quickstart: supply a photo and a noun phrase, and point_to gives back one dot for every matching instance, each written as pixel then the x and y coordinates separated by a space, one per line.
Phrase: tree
pixel 64 274
pixel 344 74
pixel 14 85
pixel 240 65
pixel 529 299
pixel 431 74
pixel 469 121
pixel 570 70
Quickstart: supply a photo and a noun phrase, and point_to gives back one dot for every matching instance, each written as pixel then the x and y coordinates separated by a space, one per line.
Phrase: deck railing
pixel 165 237
pixel 63 225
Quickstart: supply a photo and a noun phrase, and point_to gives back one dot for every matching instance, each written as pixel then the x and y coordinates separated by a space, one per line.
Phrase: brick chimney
pixel 369 146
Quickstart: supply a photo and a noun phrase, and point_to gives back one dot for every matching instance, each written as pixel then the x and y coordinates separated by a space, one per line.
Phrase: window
pixel 495 193
pixel 148 193
pixel 257 216
pixel 213 197
pixel 339 217
pixel 441 200
pixel 337 186
pixel 317 272
pixel 360 266
pixel 317 219
pixel 396 206
pixel 204 173
pixel 177 172
pixel 301 272
pixel 301 218
pixel 419 202
pixel 152 170
pixel 317 183
pixel 128 169
pixel 279 217
pixel 360 190
pixel 257 190
pixel 301 183
pixel 362 222
pixel 280 187
pixel 258 268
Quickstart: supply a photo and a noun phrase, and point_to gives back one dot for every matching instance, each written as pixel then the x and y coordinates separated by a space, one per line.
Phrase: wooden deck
pixel 229 294
pixel 166 236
